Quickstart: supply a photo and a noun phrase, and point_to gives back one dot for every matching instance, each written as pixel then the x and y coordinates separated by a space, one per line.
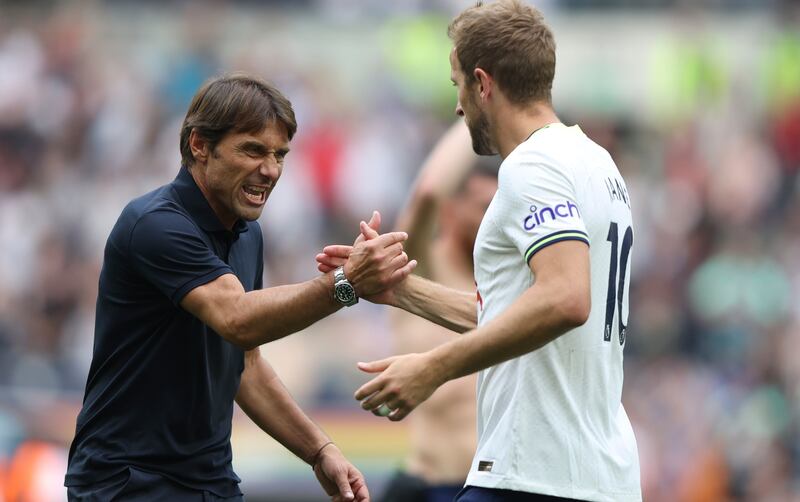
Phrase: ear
pixel 198 146
pixel 485 83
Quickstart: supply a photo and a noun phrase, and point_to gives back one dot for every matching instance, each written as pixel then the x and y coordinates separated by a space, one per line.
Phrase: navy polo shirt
pixel 160 391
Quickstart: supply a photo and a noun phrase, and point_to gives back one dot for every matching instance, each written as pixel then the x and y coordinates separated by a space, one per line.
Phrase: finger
pixel 374 402
pixel 368 232
pixel 403 272
pixel 359 485
pixel 389 238
pixel 395 249
pixel 399 261
pixel 369 388
pixel 376 366
pixel 338 250
pixel 388 407
pixel 375 221
pixel 331 261
pixel 378 412
pixel 343 484
pixel 399 414
pixel 325 268
pixel 381 403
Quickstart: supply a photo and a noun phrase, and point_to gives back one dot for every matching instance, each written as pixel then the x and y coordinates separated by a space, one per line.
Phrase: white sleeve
pixel 538 207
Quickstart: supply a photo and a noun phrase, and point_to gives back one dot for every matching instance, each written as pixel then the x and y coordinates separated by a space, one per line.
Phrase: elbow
pixel 575 309
pixel 428 190
pixel 236 332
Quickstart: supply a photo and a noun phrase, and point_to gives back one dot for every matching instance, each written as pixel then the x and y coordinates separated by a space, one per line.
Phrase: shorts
pixel 133 485
pixel 480 494
pixel 404 487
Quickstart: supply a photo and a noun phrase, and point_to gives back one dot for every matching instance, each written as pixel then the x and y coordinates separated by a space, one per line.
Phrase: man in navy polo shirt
pixel 181 315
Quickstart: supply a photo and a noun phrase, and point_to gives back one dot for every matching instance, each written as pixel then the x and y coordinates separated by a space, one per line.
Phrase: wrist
pixel 343 291
pixel 440 362
pixel 327 284
pixel 315 458
pixel 401 293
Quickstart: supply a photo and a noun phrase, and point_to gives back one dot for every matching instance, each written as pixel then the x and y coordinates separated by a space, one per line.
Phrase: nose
pixel 270 168
pixel 459 110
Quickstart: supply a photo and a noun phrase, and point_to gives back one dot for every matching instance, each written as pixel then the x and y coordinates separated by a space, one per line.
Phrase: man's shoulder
pixel 162 198
pixel 563 152
pixel 159 203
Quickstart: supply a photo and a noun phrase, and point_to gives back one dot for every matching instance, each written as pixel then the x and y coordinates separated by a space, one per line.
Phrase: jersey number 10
pixel 619 255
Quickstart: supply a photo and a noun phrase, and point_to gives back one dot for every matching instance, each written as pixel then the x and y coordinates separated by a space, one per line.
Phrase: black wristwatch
pixel 343 291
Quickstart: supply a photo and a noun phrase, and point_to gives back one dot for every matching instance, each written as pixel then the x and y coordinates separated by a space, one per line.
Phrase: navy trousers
pixel 478 494
pixel 133 485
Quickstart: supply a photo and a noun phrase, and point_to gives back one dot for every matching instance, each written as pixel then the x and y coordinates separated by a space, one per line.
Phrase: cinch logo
pixel 539 216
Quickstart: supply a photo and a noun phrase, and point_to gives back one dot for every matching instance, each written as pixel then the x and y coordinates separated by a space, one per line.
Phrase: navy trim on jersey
pixel 560 236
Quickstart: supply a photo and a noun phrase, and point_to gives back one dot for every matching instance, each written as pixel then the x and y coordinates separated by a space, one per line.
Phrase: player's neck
pixel 517 125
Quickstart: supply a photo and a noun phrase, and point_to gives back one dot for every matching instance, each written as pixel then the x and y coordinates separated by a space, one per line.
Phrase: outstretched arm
pixel 266 401
pixel 447 307
pixel 249 319
pixel 439 177
pixel 558 301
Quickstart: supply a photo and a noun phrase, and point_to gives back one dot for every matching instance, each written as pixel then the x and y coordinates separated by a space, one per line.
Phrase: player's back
pixel 551 421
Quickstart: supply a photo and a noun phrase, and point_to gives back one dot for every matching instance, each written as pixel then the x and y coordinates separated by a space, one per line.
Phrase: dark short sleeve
pixel 168 250
pixel 259 281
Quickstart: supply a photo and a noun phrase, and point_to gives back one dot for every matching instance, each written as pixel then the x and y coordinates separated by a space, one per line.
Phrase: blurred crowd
pixel 703 120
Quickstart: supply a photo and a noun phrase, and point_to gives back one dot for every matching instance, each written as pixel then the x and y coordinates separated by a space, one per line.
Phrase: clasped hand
pixel 374 264
pixel 403 381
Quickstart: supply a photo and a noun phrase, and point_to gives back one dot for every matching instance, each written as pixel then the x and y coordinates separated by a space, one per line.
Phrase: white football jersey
pixel 551 421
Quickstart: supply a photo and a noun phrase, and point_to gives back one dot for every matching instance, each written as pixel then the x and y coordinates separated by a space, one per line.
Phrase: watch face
pixel 345 293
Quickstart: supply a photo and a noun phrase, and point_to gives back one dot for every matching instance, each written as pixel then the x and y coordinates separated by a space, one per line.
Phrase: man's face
pixel 242 171
pixel 467 107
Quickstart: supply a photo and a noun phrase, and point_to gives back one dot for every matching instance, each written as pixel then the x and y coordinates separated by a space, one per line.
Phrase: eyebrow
pixel 260 148
pixel 253 145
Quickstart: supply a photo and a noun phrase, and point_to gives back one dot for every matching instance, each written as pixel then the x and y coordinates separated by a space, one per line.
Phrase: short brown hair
pixel 234 103
pixel 511 42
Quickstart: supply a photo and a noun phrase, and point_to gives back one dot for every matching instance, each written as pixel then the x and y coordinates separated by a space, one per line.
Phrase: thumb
pixel 343 484
pixel 376 366
pixel 375 221
pixel 368 232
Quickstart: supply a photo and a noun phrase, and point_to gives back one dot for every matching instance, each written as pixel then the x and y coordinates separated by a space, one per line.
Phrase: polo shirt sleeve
pixel 538 206
pixel 166 248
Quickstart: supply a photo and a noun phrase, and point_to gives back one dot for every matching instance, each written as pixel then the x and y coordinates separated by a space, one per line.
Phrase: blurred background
pixel 698 102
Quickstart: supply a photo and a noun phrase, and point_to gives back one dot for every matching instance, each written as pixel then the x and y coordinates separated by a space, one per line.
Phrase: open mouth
pixel 255 194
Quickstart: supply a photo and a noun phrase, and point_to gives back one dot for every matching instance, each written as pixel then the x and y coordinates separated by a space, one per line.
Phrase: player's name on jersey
pixel 617 191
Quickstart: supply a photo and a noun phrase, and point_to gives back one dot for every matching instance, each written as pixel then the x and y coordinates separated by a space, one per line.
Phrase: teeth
pixel 253 190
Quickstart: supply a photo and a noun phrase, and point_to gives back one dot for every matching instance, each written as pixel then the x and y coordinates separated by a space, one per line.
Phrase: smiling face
pixel 238 175
pixel 467 107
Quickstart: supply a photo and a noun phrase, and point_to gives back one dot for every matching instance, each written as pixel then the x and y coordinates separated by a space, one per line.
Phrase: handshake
pixel 377 267
pixel 371 267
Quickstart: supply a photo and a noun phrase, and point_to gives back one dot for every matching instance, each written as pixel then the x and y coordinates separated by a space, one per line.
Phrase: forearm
pixel 418 219
pixel 447 307
pixel 269 314
pixel 443 171
pixel 535 319
pixel 263 397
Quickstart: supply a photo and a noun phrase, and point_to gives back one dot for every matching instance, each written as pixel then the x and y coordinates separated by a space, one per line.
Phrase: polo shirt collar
pixel 198 207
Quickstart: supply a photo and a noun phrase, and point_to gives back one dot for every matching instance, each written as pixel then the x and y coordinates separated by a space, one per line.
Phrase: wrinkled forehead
pixel 274 135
